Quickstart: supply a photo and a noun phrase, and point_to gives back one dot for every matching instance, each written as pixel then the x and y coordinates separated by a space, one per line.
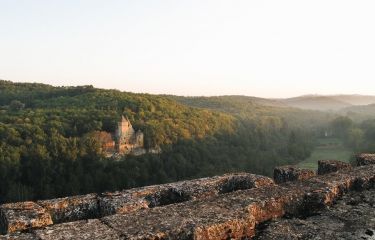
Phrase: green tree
pixel 16 105
pixel 355 138
pixel 341 126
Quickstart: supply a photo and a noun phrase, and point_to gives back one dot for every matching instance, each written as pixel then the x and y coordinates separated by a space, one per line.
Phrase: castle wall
pixel 105 140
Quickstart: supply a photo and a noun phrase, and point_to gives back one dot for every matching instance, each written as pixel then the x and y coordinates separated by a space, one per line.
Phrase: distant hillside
pixel 359 113
pixel 327 103
pixel 355 99
pixel 322 103
pixel 229 104
pixel 259 108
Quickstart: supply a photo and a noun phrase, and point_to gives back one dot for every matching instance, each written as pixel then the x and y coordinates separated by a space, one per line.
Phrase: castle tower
pixel 123 127
pixel 124 135
pixel 139 139
pixel 127 139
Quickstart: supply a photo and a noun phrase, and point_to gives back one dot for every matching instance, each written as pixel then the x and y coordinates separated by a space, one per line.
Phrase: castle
pixel 124 141
pixel 126 138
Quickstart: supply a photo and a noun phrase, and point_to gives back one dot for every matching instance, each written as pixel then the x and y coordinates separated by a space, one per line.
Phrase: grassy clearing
pixel 328 148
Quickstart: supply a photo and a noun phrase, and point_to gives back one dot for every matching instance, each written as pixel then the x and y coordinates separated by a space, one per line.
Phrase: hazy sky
pixel 192 47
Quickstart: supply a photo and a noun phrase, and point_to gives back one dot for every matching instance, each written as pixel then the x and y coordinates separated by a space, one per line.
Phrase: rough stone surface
pixel 353 217
pixel 365 159
pixel 328 166
pixel 72 208
pixel 23 215
pixel 80 230
pixel 126 201
pixel 218 217
pixel 211 208
pixel 161 195
pixel 19 236
pixel 291 173
pixel 234 215
pixel 338 184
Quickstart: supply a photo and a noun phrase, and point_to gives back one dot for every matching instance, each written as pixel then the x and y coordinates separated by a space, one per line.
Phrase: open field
pixel 328 148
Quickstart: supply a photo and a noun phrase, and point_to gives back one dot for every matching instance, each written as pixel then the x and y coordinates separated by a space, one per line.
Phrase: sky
pixel 267 48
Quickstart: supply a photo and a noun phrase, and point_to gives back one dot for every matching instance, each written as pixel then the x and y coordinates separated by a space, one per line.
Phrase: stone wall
pixel 291 173
pixel 365 159
pixel 25 215
pixel 351 218
pixel 328 166
pixel 231 206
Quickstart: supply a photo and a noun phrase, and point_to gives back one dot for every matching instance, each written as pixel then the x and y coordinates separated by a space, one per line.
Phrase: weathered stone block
pixel 206 187
pixel 228 216
pixel 336 184
pixel 291 173
pixel 19 236
pixel 365 159
pixel 344 220
pixel 329 166
pixel 21 216
pixel 80 230
pixel 126 201
pixel 234 215
pixel 72 208
pixel 208 208
pixel 161 195
pixel 203 220
pixel 363 179
pixel 243 181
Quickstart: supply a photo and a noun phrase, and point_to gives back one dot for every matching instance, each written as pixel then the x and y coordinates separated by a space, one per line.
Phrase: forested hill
pixel 328 102
pixel 78 110
pixel 46 149
pixel 245 107
pixel 230 103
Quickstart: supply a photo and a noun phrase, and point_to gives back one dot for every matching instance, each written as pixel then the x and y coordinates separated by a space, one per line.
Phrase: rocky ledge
pixel 22 216
pixel 352 217
pixel 340 204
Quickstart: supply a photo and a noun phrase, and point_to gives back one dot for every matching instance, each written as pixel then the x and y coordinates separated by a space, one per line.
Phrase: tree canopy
pixel 47 149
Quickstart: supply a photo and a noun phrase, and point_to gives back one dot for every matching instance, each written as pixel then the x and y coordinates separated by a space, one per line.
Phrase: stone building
pixel 127 139
pixel 106 141
pixel 124 141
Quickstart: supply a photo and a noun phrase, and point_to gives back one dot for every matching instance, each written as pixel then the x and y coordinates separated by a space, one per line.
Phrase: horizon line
pixel 173 94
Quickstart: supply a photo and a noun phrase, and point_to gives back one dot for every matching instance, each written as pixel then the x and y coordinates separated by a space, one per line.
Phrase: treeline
pixel 37 163
pixel 360 137
pixel 253 108
pixel 46 149
pixel 79 110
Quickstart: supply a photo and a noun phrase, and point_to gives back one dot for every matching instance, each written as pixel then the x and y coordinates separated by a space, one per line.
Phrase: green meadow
pixel 327 149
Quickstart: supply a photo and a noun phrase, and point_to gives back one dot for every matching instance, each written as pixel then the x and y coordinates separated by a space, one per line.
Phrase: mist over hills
pixel 355 99
pixel 338 102
pixel 328 102
pixel 322 103
pixel 306 109
pixel 230 103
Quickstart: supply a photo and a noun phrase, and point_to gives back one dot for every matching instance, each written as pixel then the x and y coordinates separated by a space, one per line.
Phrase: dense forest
pixel 47 149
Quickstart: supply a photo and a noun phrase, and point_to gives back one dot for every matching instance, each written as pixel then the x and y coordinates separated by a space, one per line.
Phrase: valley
pixel 327 149
pixel 66 137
